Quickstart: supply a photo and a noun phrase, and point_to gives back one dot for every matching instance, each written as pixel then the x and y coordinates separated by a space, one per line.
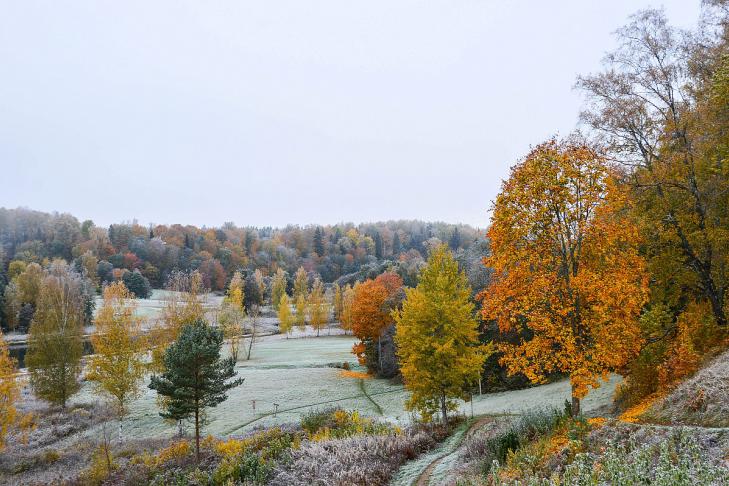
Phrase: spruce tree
pixel 437 337
pixel 195 376
pixel 318 242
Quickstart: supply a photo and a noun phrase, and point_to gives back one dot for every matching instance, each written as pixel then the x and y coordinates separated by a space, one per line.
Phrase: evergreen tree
pixel 195 376
pixel 378 245
pixel 396 246
pixel 137 284
pixel 319 242
pixel 455 241
pixel 437 337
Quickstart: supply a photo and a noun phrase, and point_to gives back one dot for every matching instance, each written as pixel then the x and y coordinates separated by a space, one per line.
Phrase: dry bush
pixel 359 460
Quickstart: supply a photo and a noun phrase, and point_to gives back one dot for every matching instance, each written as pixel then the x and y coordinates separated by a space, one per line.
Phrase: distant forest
pixel 343 252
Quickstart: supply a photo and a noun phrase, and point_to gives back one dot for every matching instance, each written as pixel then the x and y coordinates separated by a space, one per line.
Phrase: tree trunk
pixel 197 434
pixel 443 408
pixel 575 403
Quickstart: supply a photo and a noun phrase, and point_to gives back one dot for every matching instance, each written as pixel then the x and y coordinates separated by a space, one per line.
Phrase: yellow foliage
pixel 176 450
pixel 437 337
pixel 9 391
pixel 596 422
pixel 231 447
pixel 355 374
pixel 117 366
pixel 285 317
pixel 632 415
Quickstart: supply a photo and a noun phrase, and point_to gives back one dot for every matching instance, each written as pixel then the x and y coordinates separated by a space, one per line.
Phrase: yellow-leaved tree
pixel 232 315
pixel 317 306
pixel 9 391
pixel 566 268
pixel 300 317
pixel 117 365
pixel 285 317
pixel 437 338
pixel 184 304
pixel 345 316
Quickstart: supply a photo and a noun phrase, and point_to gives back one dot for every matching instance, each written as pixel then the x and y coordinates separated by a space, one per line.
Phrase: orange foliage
pixel 566 266
pixel 697 334
pixel 354 374
pixel 370 313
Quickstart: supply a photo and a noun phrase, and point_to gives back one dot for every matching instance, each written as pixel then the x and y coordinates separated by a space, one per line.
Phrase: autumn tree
pixel 437 337
pixel 566 267
pixel 337 301
pixel 278 288
pixel 184 304
pixel 9 391
pixel 195 376
pixel 372 306
pixel 232 315
pixel 88 265
pixel 21 294
pixel 660 109
pixel 285 317
pixel 345 316
pixel 300 317
pixel 117 366
pixel 55 342
pixel 301 283
pixel 317 307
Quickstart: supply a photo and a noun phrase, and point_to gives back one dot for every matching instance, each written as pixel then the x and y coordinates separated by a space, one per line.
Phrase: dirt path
pixel 425 476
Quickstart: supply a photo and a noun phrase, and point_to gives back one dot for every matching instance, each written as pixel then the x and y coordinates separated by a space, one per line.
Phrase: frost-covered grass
pixel 407 474
pixel 677 459
pixel 364 459
pixel 701 400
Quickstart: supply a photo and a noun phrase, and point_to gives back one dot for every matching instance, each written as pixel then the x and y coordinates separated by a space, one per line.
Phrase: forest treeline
pixel 129 251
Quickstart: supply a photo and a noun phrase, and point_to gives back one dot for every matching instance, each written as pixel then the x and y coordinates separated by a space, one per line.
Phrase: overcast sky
pixel 276 112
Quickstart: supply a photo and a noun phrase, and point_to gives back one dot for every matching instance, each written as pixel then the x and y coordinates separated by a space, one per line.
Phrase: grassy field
pixel 299 375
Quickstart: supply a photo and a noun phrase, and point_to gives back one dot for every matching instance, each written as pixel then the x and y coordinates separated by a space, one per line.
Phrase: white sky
pixel 275 112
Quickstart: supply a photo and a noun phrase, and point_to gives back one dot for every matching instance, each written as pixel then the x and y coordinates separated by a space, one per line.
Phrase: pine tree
pixel 55 343
pixel 285 317
pixel 437 337
pixel 378 245
pixel 195 376
pixel 117 365
pixel 396 248
pixel 455 241
pixel 9 391
pixel 318 242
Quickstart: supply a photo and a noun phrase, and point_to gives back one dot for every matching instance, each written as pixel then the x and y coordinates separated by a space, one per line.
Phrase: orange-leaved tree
pixel 372 304
pixel 566 267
